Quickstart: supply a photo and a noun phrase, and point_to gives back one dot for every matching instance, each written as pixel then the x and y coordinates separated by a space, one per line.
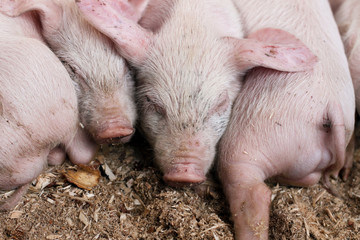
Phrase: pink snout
pixel 115 134
pixel 184 174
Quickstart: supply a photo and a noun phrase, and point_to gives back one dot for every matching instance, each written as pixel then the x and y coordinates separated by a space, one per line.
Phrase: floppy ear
pixel 138 6
pixel 50 13
pixel 272 48
pixel 111 17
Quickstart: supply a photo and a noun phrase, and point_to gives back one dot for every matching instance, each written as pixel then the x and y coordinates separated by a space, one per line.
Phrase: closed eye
pixel 154 106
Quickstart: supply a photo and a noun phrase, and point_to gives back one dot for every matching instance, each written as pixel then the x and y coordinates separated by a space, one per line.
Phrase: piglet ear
pixel 111 17
pixel 138 7
pixel 50 13
pixel 130 9
pixel 272 48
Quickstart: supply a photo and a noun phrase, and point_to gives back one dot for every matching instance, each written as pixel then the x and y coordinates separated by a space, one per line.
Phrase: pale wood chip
pixel 83 218
pixel 111 199
pixel 211 228
pixel 15 214
pixel 122 217
pixel 331 216
pixel 53 236
pixel 85 177
pixel 108 172
pixel 317 198
pixel 306 228
pixel 43 180
pixel 130 183
pixel 70 222
pixel 215 236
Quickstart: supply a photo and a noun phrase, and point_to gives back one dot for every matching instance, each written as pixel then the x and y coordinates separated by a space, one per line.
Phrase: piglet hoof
pixel 14 199
pixel 329 186
pixel 345 172
pixel 350 149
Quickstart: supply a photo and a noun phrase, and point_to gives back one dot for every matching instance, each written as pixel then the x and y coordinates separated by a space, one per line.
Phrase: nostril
pixel 191 143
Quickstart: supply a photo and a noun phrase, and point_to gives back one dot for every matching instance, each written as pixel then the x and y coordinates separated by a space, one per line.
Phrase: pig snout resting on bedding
pixel 104 82
pixel 292 127
pixel 188 73
pixel 347 18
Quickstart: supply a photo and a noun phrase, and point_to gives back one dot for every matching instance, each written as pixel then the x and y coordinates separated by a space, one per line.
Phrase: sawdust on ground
pixel 136 204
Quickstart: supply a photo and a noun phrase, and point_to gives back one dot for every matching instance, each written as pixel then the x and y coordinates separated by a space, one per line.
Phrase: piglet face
pixel 106 105
pixel 105 87
pixel 184 137
pixel 184 108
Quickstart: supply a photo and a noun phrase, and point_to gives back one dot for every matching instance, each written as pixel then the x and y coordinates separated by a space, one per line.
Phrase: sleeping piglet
pixel 189 69
pixel 347 17
pixel 291 127
pixel 39 121
pixel 104 83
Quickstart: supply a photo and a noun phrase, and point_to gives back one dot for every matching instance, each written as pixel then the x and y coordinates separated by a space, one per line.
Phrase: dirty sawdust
pixel 136 204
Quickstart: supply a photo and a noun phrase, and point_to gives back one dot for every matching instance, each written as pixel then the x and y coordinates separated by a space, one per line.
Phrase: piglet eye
pixel 160 110
pixel 221 104
pixel 153 105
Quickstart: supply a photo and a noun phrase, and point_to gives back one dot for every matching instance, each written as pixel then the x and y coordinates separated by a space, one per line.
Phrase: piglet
pixel 38 115
pixel 104 82
pixel 292 128
pixel 347 17
pixel 38 108
pixel 188 70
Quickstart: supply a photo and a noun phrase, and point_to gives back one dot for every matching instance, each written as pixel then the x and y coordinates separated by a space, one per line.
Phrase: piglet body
pixel 292 127
pixel 38 108
pixel 189 62
pixel 347 17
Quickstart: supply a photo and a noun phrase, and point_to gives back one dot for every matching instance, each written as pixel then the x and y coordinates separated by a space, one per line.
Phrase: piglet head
pixel 183 122
pixel 107 109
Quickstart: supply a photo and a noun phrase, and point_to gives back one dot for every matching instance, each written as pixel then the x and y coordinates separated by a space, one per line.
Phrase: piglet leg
pixel 56 156
pixel 249 200
pixel 15 198
pixel 82 148
pixel 349 158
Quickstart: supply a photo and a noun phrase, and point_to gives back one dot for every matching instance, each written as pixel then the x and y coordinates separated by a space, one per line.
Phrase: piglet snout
pixel 183 174
pixel 187 164
pixel 115 134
